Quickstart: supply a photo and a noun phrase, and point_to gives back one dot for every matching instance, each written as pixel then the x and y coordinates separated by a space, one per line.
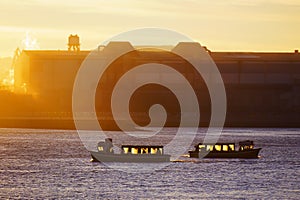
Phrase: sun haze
pixel 233 25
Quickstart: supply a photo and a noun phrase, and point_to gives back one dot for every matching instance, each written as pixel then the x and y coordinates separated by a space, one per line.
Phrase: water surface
pixel 46 164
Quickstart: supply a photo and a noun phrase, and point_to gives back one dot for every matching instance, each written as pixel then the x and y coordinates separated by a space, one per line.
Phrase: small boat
pixel 129 153
pixel 225 150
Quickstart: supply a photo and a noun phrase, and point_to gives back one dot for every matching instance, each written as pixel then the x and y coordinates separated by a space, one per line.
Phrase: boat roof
pixel 219 143
pixel 246 142
pixel 143 146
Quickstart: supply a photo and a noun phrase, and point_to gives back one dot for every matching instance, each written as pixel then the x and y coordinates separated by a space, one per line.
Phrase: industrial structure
pixel 263 89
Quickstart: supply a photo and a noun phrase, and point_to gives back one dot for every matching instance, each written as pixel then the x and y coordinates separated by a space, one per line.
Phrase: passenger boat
pixel 225 150
pixel 129 153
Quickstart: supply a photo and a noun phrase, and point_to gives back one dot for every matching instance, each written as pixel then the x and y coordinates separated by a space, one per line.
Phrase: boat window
pixel 126 149
pixel 218 147
pixel 225 147
pixel 245 147
pixel 100 148
pixel 201 147
pixel 134 150
pixel 153 150
pixel 248 146
pixel 231 147
pixel 144 151
pixel 160 151
pixel 209 147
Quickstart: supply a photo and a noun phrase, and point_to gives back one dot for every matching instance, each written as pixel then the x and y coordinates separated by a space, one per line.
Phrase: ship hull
pixel 129 158
pixel 247 154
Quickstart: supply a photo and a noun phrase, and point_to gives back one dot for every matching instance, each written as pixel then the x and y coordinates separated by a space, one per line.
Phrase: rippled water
pixel 53 164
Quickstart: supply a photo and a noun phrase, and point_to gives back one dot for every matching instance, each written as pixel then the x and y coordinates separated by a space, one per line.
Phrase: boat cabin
pixel 151 150
pixel 225 150
pixel 218 147
pixel 246 145
pixel 105 147
pixel 225 147
pixel 129 153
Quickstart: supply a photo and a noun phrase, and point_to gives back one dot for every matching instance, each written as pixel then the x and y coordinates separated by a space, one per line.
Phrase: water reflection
pixel 54 164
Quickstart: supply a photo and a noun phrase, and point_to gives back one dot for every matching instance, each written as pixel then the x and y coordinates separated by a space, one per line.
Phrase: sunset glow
pixel 29 42
pixel 149 99
pixel 234 25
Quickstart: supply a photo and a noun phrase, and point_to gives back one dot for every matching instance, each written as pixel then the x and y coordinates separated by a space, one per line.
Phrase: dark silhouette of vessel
pixel 129 153
pixel 225 150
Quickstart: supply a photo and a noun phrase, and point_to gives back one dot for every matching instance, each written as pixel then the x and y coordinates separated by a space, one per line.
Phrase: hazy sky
pixel 221 25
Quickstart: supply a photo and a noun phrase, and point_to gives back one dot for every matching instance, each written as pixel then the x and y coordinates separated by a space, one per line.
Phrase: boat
pixel 129 153
pixel 225 150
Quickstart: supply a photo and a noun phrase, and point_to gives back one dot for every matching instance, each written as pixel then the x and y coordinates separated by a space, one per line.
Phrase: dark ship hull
pixel 247 154
pixel 129 158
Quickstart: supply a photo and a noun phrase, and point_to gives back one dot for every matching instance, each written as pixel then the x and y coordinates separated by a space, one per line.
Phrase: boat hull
pixel 129 158
pixel 247 154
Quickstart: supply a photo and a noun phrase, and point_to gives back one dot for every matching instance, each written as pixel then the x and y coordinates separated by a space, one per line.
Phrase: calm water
pixel 53 164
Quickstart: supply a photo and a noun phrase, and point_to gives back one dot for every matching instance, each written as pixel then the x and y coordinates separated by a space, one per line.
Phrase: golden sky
pixel 221 25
